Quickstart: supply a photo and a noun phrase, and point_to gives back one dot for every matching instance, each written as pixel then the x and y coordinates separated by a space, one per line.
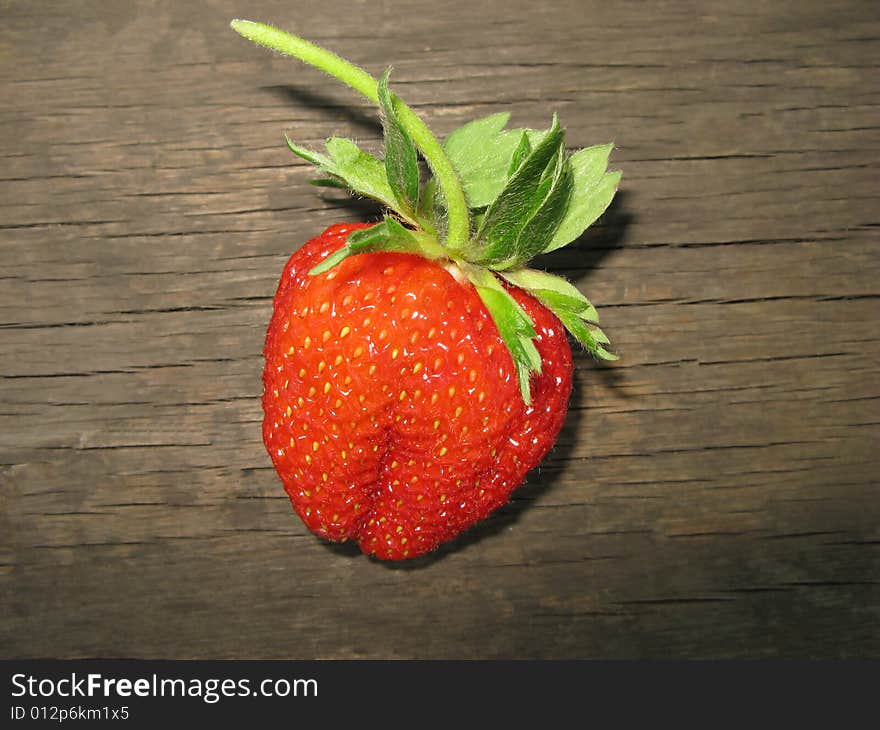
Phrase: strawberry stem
pixel 458 216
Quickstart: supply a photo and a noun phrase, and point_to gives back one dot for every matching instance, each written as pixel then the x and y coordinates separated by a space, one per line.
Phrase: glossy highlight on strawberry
pixel 392 411
pixel 416 368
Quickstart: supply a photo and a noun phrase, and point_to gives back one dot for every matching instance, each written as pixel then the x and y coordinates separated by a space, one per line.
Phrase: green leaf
pixel 557 302
pixel 485 156
pixel 348 166
pixel 467 141
pixel 589 164
pixel 515 327
pixel 572 308
pixel 521 198
pixel 480 152
pixel 536 136
pixel 555 292
pixel 507 315
pixel 401 157
pixel 316 158
pixel 389 235
pixel 432 216
pixel 592 193
pixel 332 260
pixel 592 338
pixel 523 148
pixel 539 229
pixel 364 172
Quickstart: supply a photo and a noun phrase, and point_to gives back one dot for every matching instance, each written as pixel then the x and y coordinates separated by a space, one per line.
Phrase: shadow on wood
pixel 298 96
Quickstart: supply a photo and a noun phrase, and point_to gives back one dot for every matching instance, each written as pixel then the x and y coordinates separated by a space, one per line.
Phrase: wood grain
pixel 715 494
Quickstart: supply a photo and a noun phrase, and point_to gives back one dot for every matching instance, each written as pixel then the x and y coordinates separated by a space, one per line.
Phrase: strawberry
pixel 392 414
pixel 415 368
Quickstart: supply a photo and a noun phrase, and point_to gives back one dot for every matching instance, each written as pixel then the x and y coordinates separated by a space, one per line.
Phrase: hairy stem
pixel 458 230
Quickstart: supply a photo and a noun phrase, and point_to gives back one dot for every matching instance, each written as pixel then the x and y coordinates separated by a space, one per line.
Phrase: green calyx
pixel 495 199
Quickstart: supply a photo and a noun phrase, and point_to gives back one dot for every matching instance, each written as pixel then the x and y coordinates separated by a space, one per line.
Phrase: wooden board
pixel 715 494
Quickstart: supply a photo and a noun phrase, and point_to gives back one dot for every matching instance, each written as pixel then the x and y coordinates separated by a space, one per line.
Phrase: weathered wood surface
pixel 715 494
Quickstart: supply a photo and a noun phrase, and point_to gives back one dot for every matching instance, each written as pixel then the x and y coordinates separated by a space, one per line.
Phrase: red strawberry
pixel 393 413
pixel 416 370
